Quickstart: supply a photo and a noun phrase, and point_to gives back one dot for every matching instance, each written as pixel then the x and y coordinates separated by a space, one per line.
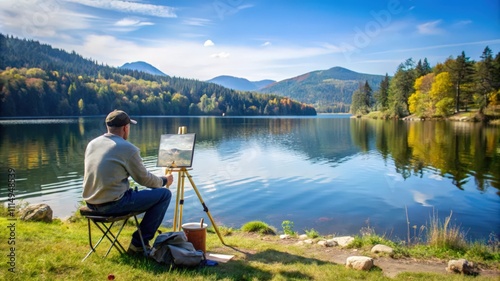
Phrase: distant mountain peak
pixel 240 84
pixel 144 67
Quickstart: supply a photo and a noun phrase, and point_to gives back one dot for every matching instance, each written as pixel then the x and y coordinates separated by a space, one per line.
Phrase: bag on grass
pixel 173 249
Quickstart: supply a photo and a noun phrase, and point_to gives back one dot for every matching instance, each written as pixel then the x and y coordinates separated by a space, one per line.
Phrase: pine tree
pixel 487 78
pixel 381 96
pixel 461 73
pixel 400 89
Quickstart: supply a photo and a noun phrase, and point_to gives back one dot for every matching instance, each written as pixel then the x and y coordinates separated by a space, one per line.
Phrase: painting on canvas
pixel 176 150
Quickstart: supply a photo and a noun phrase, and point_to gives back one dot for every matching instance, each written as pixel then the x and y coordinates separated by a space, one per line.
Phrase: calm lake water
pixel 330 173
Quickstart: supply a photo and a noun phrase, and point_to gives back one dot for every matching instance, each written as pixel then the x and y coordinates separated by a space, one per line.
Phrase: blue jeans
pixel 153 201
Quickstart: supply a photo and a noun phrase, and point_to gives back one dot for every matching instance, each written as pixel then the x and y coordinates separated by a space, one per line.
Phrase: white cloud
pixel 222 55
pixel 130 7
pixel 41 19
pixel 208 43
pixel 266 44
pixel 189 59
pixel 430 28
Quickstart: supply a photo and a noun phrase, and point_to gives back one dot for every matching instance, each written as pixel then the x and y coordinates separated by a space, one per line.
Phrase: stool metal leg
pixel 140 235
pixel 105 226
pixel 92 248
pixel 115 243
pixel 106 230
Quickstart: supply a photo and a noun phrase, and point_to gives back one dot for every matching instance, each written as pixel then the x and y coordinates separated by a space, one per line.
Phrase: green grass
pixel 53 251
pixel 312 233
pixel 258 227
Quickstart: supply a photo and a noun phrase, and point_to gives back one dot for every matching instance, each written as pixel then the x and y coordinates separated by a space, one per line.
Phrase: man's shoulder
pixel 115 141
pixel 124 144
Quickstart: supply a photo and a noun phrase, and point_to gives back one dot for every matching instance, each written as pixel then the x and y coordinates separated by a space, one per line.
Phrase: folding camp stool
pixel 105 222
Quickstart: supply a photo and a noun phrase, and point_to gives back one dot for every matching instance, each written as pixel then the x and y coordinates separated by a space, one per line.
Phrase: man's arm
pixel 141 175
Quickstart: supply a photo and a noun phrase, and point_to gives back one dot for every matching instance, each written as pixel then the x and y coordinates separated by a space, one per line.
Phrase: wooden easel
pixel 179 202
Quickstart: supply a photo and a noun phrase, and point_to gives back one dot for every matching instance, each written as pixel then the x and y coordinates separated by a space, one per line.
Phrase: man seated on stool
pixel 109 160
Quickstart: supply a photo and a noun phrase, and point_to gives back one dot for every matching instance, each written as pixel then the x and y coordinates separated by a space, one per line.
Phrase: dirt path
pixel 389 266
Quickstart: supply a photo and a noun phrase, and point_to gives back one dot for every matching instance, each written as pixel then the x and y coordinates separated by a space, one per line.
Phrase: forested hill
pixel 328 90
pixel 38 80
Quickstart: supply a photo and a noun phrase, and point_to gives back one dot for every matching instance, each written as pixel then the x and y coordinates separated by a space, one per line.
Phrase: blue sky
pixel 258 39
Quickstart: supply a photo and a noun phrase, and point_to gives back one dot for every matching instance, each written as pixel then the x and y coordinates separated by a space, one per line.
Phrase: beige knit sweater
pixel 109 161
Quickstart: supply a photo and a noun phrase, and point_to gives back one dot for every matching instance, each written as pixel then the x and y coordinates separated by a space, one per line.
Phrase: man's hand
pixel 170 180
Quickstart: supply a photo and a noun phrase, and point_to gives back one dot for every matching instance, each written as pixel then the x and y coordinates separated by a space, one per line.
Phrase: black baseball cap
pixel 118 118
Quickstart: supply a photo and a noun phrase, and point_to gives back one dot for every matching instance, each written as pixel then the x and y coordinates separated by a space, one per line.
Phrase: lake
pixel 330 173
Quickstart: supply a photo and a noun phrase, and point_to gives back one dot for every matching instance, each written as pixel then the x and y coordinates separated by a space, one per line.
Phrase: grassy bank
pixel 491 115
pixel 53 251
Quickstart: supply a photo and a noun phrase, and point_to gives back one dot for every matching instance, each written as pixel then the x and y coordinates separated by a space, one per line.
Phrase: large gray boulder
pixel 37 212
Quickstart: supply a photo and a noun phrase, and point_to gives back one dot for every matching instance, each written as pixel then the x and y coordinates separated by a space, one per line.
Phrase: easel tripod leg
pixel 177 206
pixel 182 176
pixel 205 208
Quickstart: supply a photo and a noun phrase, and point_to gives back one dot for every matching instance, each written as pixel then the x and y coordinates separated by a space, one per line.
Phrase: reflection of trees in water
pixel 459 151
pixel 456 150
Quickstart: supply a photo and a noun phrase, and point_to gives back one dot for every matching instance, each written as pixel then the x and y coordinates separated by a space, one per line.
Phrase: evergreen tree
pixel 461 73
pixel 400 89
pixel 487 78
pixel 368 93
pixel 422 68
pixel 381 96
pixel 362 99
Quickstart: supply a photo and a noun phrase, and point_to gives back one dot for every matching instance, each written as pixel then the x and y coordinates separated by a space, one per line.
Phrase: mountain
pixel 38 80
pixel 327 90
pixel 240 84
pixel 144 67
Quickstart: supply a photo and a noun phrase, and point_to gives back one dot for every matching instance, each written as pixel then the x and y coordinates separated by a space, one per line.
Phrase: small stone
pixel 343 240
pixel 284 236
pixel 379 248
pixel 303 237
pixel 359 262
pixel 308 241
pixel 462 266
pixel 331 243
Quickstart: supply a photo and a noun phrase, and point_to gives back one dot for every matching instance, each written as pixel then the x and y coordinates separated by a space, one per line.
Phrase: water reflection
pixel 329 171
pixel 455 150
pixel 459 151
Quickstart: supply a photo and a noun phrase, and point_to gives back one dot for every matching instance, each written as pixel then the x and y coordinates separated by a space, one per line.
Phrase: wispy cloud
pixel 442 46
pixel 430 28
pixel 125 22
pixel 265 44
pixel 462 23
pixel 226 9
pixel 130 7
pixel 196 22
